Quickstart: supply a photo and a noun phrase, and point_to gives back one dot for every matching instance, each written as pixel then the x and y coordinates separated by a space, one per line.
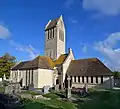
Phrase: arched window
pixel 57 81
pixel 101 79
pixel 75 79
pixel 79 79
pixel 96 79
pixel 91 79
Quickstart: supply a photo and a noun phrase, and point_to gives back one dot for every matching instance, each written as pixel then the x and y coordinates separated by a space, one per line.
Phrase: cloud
pixel 105 7
pixel 69 3
pixel 28 49
pixel 4 32
pixel 107 48
pixel 74 21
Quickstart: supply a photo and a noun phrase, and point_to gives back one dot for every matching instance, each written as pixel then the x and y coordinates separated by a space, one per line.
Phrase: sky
pixel 92 28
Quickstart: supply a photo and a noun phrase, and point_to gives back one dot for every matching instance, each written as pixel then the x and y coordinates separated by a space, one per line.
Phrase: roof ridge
pixel 86 59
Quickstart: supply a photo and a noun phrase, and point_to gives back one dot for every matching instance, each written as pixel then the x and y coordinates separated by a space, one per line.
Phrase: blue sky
pixel 92 27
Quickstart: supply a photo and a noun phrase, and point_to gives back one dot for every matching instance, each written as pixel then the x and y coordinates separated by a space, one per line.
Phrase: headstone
pixel 31 87
pixel 12 88
pixel 46 89
pixel 57 87
pixel 8 89
pixel 86 87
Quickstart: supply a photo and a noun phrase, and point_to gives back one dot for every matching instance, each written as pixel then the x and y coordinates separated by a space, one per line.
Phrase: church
pixel 53 68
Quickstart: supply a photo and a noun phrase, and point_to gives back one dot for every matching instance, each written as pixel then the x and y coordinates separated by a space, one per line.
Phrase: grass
pixel 96 100
pixel 30 92
pixel 102 100
pixel 1 89
pixel 54 95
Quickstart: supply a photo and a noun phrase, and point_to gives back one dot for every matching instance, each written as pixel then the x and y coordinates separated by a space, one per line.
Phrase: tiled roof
pixel 52 24
pixel 38 62
pixel 41 62
pixel 88 67
pixel 18 66
pixel 61 59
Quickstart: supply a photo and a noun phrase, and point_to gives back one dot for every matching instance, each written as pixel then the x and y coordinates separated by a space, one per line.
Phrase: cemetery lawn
pixel 1 89
pixel 95 100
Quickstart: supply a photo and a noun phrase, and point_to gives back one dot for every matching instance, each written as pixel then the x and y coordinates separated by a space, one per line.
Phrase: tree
pixel 6 62
pixel 116 74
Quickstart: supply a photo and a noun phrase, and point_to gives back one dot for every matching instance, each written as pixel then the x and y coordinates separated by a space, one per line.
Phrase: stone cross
pixel 68 88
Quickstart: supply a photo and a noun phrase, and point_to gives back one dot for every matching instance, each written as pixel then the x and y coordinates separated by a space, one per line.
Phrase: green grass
pixel 54 95
pixel 30 92
pixel 48 104
pixel 102 100
pixel 1 89
pixel 95 100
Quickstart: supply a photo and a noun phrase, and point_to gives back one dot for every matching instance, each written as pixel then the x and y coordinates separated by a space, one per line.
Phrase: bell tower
pixel 55 38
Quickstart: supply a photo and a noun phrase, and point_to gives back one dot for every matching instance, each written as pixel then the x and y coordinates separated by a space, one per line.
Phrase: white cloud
pixel 4 32
pixel 32 52
pixel 106 47
pixel 69 3
pixel 105 7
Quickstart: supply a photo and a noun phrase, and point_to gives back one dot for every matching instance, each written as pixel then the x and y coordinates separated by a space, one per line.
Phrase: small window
pixel 75 79
pixel 101 79
pixel 32 77
pixel 48 34
pixel 87 79
pixel 53 32
pixel 79 79
pixel 91 79
pixel 96 79
pixel 83 79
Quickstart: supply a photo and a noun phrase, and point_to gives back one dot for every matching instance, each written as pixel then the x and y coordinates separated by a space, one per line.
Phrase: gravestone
pixel 57 87
pixel 12 88
pixel 31 87
pixel 8 89
pixel 46 89
pixel 86 87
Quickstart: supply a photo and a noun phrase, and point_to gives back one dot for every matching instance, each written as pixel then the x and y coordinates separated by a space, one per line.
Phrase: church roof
pixel 39 62
pixel 88 67
pixel 52 24
pixel 61 59
pixel 18 66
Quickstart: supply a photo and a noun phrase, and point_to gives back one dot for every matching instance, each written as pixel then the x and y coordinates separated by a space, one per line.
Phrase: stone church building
pixel 53 68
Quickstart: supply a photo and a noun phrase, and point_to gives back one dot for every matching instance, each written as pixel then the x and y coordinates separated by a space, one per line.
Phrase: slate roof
pixel 52 24
pixel 88 67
